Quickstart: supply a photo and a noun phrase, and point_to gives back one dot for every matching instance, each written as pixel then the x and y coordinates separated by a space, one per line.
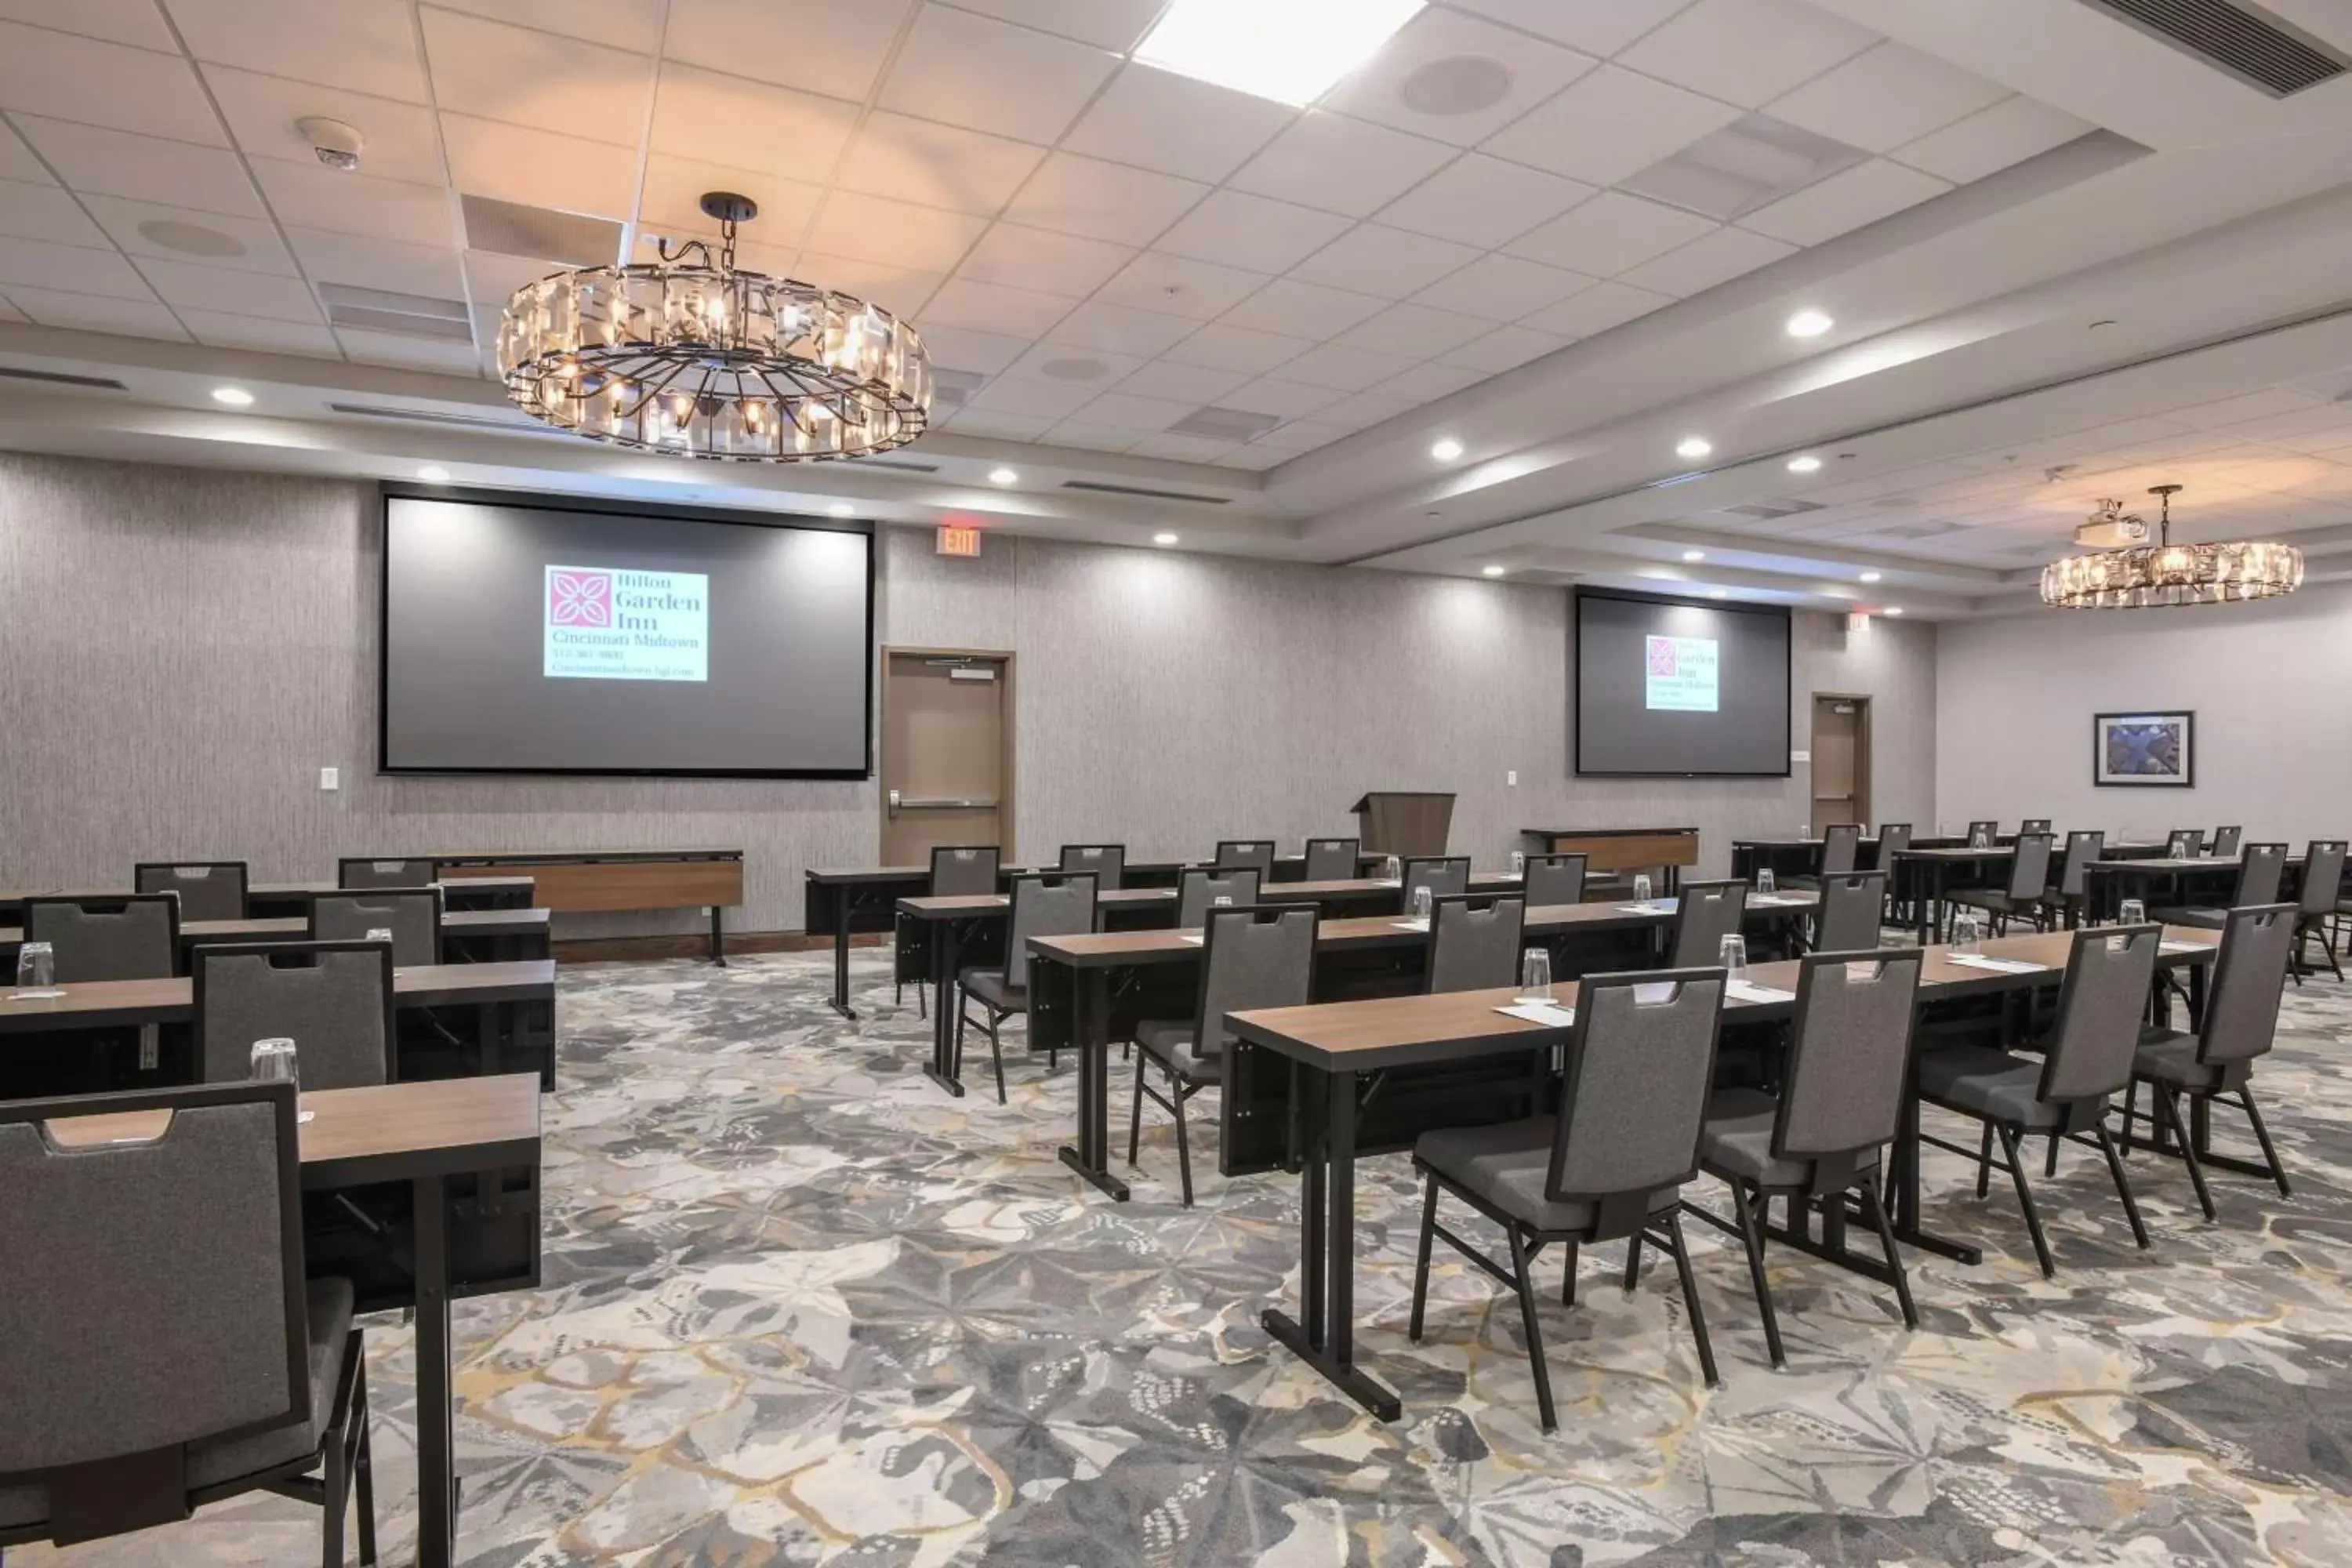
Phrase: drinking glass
pixel 2132 912
pixel 1390 870
pixel 1519 862
pixel 1421 903
pixel 37 971
pixel 1968 935
pixel 273 1061
pixel 1764 879
pixel 1732 953
pixel 1982 840
pixel 1535 975
pixel 1642 887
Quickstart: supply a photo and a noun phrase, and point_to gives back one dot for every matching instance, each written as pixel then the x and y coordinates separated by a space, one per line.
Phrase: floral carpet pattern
pixel 800 1307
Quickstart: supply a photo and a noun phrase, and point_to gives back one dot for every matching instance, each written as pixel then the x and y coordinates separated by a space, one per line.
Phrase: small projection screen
pixel 1664 687
pixel 542 635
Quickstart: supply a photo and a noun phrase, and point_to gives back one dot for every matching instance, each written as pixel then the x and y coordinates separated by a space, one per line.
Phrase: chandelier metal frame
pixel 693 356
pixel 2166 575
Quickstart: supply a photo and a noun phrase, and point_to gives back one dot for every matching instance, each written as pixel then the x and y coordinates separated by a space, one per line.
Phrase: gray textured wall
pixel 181 650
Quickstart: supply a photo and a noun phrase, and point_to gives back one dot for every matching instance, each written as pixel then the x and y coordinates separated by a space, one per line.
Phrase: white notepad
pixel 1195 941
pixel 1747 990
pixel 2184 947
pixel 1410 925
pixel 1998 965
pixel 1550 1013
pixel 1654 907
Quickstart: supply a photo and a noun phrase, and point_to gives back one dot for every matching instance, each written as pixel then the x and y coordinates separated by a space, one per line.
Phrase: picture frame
pixel 2153 749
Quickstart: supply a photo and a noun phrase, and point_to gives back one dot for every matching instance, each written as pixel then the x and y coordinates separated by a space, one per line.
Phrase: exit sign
pixel 958 540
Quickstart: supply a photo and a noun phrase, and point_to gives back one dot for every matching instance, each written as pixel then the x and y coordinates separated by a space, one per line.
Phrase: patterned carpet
pixel 801 1308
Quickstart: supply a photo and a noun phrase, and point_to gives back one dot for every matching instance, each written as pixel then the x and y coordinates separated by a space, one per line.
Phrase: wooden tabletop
pixel 99 1002
pixel 2162 864
pixel 1368 887
pixel 563 857
pixel 972 905
pixel 1603 832
pixel 261 890
pixel 464 922
pixel 1959 852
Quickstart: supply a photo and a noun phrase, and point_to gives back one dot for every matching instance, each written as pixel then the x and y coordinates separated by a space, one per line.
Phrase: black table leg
pixel 945 940
pixel 718 939
pixel 436 1467
pixel 841 962
pixel 1328 1343
pixel 1091 1036
pixel 486 1028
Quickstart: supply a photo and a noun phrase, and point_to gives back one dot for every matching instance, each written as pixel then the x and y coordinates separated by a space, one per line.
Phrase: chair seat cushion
pixel 1987 1083
pixel 1996 899
pixel 2203 916
pixel 1170 1043
pixel 1508 1167
pixel 988 985
pixel 1738 1141
pixel 2170 1057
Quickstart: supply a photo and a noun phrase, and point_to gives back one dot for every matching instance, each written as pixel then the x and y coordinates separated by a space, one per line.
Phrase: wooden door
pixel 947 770
pixel 1841 760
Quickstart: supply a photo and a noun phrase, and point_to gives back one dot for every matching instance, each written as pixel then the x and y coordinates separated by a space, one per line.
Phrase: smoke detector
pixel 337 144
pixel 2111 528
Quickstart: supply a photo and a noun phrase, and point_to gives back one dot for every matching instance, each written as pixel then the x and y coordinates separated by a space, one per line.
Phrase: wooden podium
pixel 1404 822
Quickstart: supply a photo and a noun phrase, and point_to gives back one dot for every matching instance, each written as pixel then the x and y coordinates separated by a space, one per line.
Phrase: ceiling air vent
pixel 2244 40
pixel 436 416
pixel 1215 424
pixel 403 315
pixel 1098 487
pixel 1743 166
pixel 953 388
pixel 1765 512
pixel 61 378
pixel 1934 528
pixel 897 465
pixel 542 234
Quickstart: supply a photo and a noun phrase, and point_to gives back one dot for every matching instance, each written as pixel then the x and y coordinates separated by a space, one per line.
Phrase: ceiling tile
pixel 38 263
pixel 1746 52
pixel 261 112
pixel 1194 384
pixel 494 280
pixel 177 234
pixel 1071 195
pixel 1121 411
pixel 1610 234
pixel 119 21
pixel 364 44
pixel 1115 24
pixel 1051 263
pixel 675 187
pixel 1287 399
pixel 1415 331
pixel 1030 397
pixel 1158 120
pixel 1085 438
pixel 1502 288
pixel 1252 232
pixel 1292 309
pixel 1182 449
pixel 901 289
pixel 1300 435
pixel 45 72
pixel 832 47
pixel 1179 286
pixel 1074 366
pixel 752 125
pixel 962 348
pixel 1342 165
pixel 1442 60
pixel 937 166
pixel 95 313
pixel 1364 410
pixel 1484 202
pixel 874 229
pixel 538 168
pixel 993 307
pixel 428 270
pixel 990 75
pixel 1221 347
pixel 1880 100
pixel 1118 328
pixel 219 330
pixel 989 424
pixel 312 196
pixel 1991 140
pixel 1844 202
pixel 411 353
pixel 1610 124
pixel 17 162
pixel 1709 259
pixel 1596 26
pixel 1345 369
pixel 1598 309
pixel 526 77
pixel 632 25
pixel 1505 348
pixel 144 168
pixel 1389 262
pixel 45 212
pixel 1427 383
pixel 240 293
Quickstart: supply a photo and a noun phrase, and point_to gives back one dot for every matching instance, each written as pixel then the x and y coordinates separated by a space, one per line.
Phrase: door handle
pixel 898 803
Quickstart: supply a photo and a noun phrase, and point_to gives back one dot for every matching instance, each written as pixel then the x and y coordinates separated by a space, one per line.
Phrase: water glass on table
pixel 1535 976
pixel 1392 870
pixel 37 971
pixel 1640 887
pixel 273 1061
pixel 1422 904
pixel 1732 953
pixel 1967 936
pixel 2132 912
pixel 1764 881
pixel 1519 862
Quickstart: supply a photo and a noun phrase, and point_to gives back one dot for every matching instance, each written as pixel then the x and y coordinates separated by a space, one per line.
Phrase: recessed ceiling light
pixel 1808 464
pixel 1694 555
pixel 1870 576
pixel 433 474
pixel 1493 571
pixel 1718 593
pixel 1891 610
pixel 1809 324
pixel 1694 447
pixel 1163 539
pixel 234 396
pixel 1445 451
pixel 1003 477
pixel 1291 52
pixel 842 508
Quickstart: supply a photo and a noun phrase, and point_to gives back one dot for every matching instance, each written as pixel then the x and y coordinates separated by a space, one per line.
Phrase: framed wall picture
pixel 2144 750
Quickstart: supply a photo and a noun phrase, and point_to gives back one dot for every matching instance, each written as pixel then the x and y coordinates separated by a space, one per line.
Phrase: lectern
pixel 1404 822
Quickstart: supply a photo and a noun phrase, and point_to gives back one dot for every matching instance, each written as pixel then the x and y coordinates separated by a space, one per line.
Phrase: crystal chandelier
pixel 2150 576
pixel 694 357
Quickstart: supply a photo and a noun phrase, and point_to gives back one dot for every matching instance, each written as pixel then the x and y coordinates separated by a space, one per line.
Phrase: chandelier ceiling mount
pixel 2165 575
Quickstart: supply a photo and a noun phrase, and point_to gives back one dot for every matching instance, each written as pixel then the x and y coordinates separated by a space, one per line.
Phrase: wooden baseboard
pixel 637 949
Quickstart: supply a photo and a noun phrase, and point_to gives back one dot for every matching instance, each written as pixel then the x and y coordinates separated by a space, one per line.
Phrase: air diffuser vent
pixel 1098 487
pixel 437 416
pixel 897 465
pixel 953 388
pixel 2244 40
pixel 1225 425
pixel 61 378
pixel 541 234
pixel 1765 512
pixel 1935 530
pixel 403 315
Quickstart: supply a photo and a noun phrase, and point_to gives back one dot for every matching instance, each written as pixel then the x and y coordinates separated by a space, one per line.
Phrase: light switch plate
pixel 331 778
pixel 1511 778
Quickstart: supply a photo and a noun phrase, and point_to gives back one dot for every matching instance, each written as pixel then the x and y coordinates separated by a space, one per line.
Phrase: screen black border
pixel 1576 683
pixel 389 491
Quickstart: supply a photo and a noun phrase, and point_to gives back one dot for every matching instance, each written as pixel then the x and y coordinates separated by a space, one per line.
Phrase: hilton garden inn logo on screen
pixel 604 624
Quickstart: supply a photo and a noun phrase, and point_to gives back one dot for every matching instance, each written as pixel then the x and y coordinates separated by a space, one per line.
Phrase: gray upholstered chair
pixel 2216 1061
pixel 1044 903
pixel 1473 941
pixel 1848 920
pixel 2185 844
pixel 1252 956
pixel 1841 851
pixel 1611 1165
pixel 124 938
pixel 2259 870
pixel 1553 879
pixel 2035 825
pixel 2067 897
pixel 1894 838
pixel 1197 892
pixel 2088 1057
pixel 958 871
pixel 363 871
pixel 2225 842
pixel 1334 859
pixel 1704 913
pixel 208 890
pixel 2020 895
pixel 1441 874
pixel 1107 862
pixel 160 1348
pixel 1983 833
pixel 2322 886
pixel 1255 854
pixel 332 999
pixel 1840 1104
pixel 413 915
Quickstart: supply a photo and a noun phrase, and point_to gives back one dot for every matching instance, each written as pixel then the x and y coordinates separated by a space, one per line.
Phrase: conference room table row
pixel 467 936
pixel 265 899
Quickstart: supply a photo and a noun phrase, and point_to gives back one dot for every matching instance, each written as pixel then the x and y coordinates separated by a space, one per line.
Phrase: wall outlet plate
pixel 331 778
pixel 1511 779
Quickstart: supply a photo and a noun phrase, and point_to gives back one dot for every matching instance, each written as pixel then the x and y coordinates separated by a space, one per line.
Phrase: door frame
pixel 1865 796
pixel 1007 749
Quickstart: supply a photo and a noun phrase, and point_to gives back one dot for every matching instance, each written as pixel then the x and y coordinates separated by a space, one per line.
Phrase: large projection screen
pixel 1669 688
pixel 542 635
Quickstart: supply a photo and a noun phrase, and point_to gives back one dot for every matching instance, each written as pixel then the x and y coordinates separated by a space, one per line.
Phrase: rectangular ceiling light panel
pixel 1289 50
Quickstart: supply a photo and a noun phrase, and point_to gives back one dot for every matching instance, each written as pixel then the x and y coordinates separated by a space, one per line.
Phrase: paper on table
pixel 2184 947
pixel 1749 991
pixel 1654 907
pixel 1197 940
pixel 1998 965
pixel 1410 925
pixel 1549 1012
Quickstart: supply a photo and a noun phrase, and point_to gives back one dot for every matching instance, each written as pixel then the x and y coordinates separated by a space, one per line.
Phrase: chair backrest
pixel 208 890
pixel 332 999
pixel 122 938
pixel 2259 870
pixel 2323 877
pixel 1708 912
pixel 155 1294
pixel 2225 841
pixel 2241 1012
pixel 1334 859
pixel 1442 875
pixel 2084 844
pixel 964 871
pixel 413 915
pixel 1893 838
pixel 1983 833
pixel 1252 956
pixel 1108 862
pixel 2029 865
pixel 1554 879
pixel 1473 941
pixel 1197 892
pixel 1851 906
pixel 1256 854
pixel 1848 1052
pixel 1046 903
pixel 1641 1064
pixel 2109 971
pixel 1839 843
pixel 361 871
pixel 2184 844
pixel 2035 825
